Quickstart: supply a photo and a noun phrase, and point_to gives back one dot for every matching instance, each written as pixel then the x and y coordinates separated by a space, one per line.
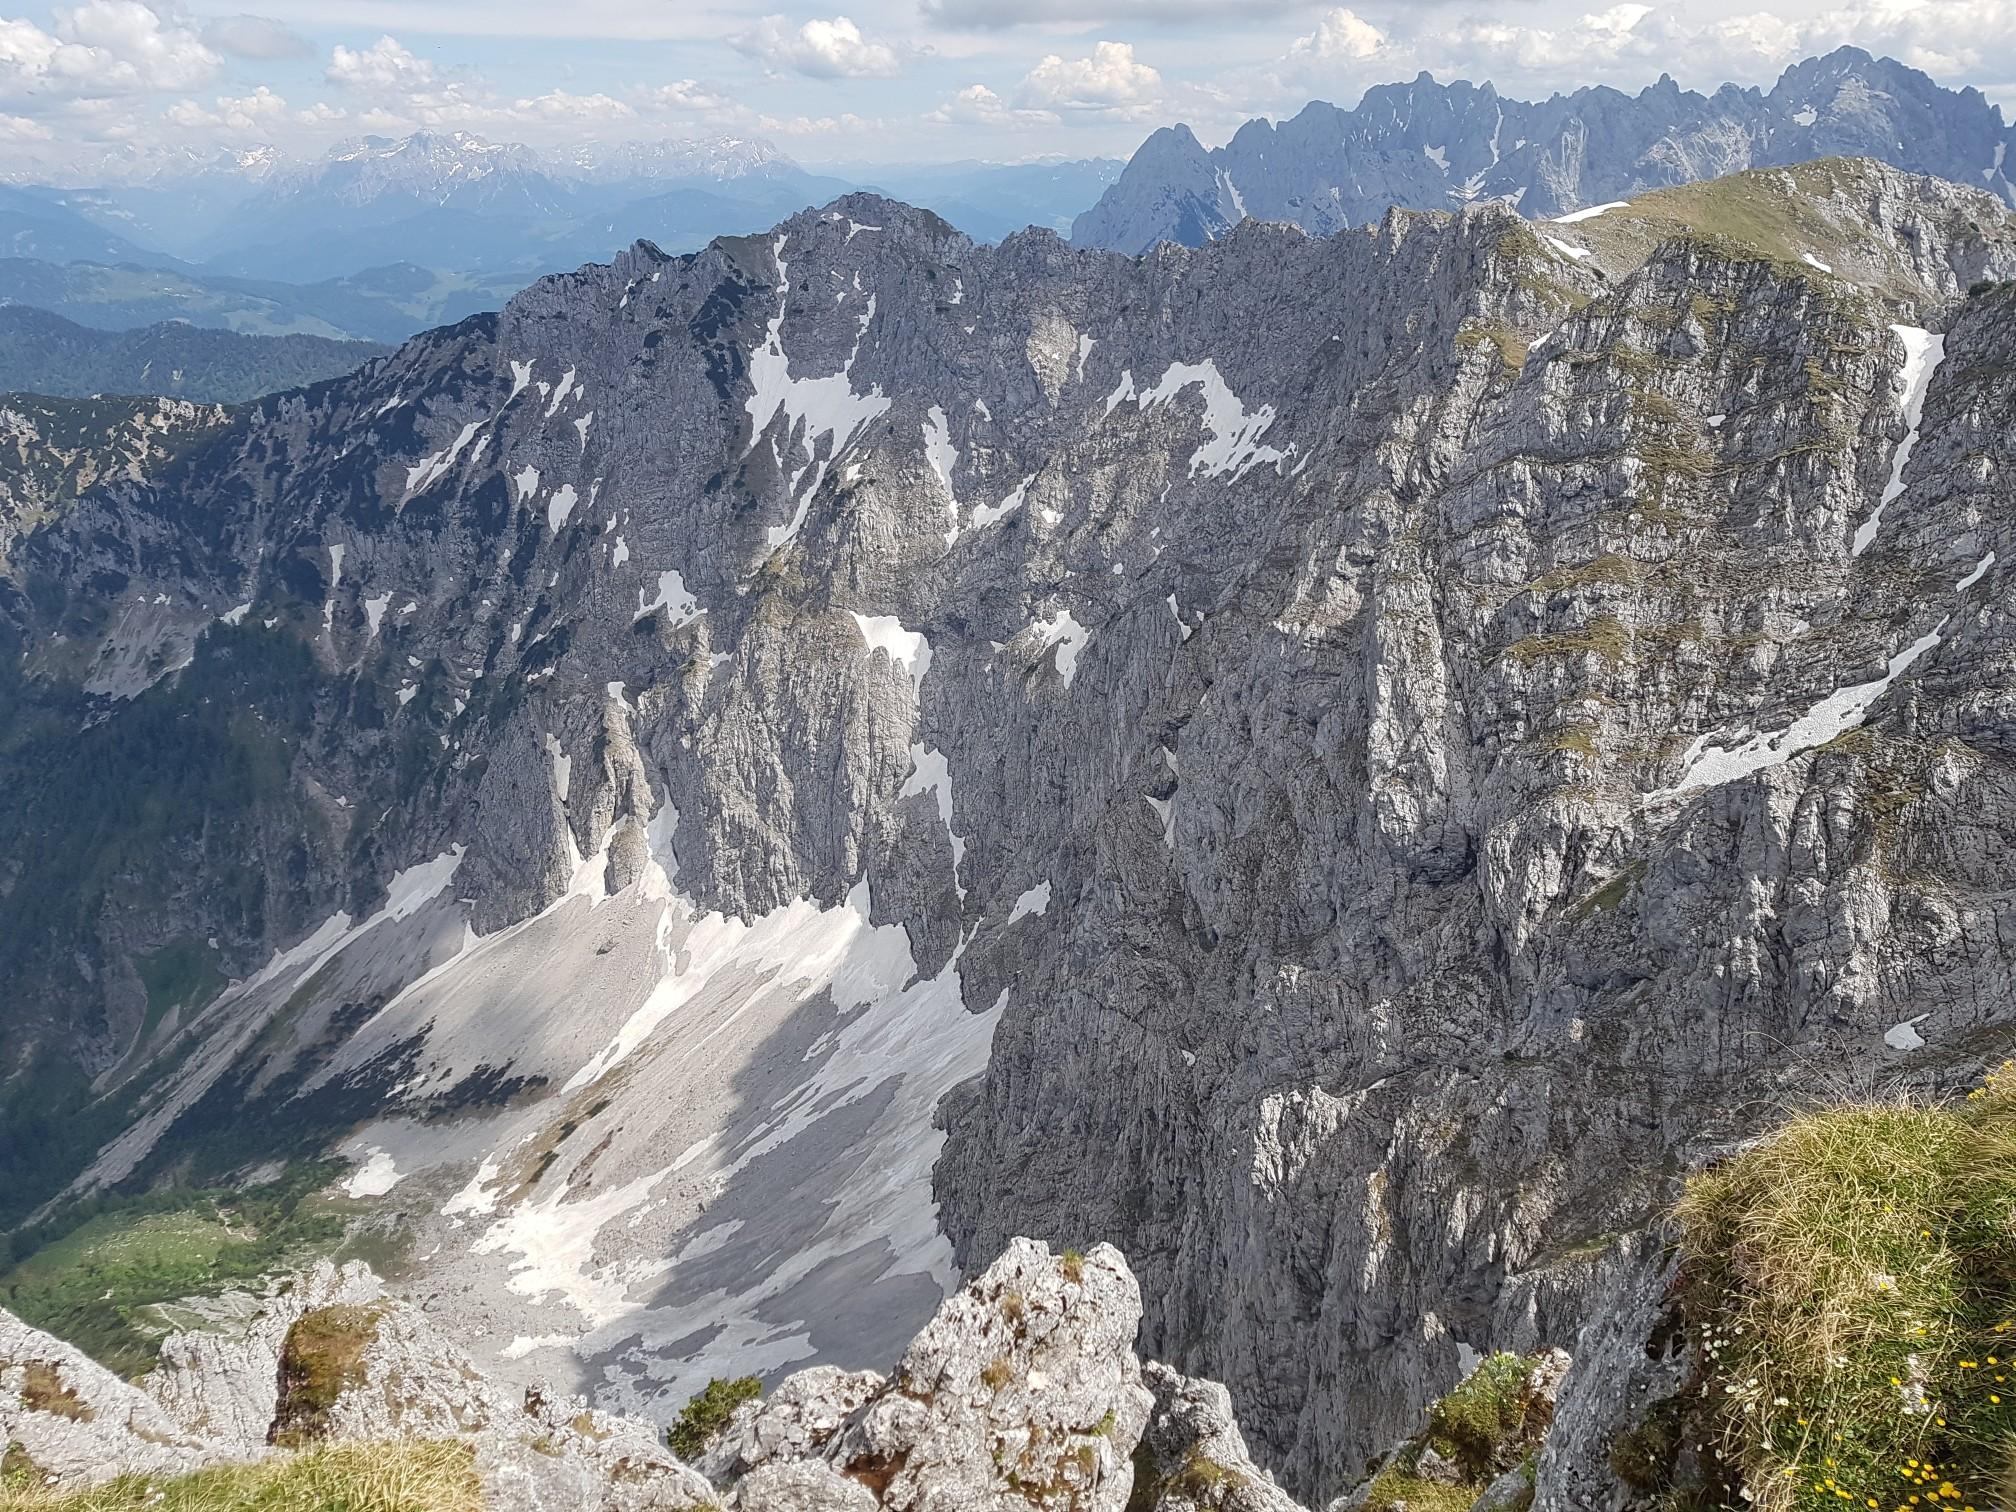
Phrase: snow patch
pixel 680 606
pixel 1905 1036
pixel 1063 631
pixel 1234 434
pixel 374 612
pixel 907 649
pixel 377 1176
pixel 1034 902
pixel 559 507
pixel 527 481
pixel 1980 570
pixel 1813 262
pixel 1574 254
pixel 1122 392
pixel 525 1344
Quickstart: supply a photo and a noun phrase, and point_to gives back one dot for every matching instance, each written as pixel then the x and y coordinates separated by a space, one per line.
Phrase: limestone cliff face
pixel 740 784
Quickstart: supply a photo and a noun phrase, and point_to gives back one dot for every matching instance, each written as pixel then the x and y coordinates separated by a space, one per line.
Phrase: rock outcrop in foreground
pixel 1023 1391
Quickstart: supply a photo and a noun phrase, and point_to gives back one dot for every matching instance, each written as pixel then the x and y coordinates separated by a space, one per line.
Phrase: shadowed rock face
pixel 1431 146
pixel 740 784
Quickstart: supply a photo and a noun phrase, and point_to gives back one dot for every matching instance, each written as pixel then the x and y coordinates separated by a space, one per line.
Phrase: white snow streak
pixel 1591 213
pixel 1923 353
pixel 1706 765
pixel 336 550
pixel 986 514
pixel 423 473
pixel 944 458
pixel 560 393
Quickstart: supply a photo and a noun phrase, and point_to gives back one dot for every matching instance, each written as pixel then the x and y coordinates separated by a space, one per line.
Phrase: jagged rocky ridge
pixel 1399 743
pixel 1432 146
pixel 1023 1391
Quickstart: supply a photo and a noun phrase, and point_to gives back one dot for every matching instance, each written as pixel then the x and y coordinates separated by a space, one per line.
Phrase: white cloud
pixel 1947 38
pixel 15 128
pixel 977 105
pixel 257 37
pixel 832 49
pixel 99 50
pixel 382 68
pixel 1110 80
pixel 994 14
pixel 684 94
pixel 257 111
pixel 1341 36
pixel 560 106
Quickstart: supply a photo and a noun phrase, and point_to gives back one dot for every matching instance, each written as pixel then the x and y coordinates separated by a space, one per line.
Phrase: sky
pixel 874 81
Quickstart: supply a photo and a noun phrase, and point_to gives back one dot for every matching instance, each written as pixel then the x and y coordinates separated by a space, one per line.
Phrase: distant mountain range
pixel 43 353
pixel 379 304
pixel 380 238
pixel 44 224
pixel 443 200
pixel 1426 145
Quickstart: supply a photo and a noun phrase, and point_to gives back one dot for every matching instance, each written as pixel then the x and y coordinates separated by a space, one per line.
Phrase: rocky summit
pixel 1023 1391
pixel 748 787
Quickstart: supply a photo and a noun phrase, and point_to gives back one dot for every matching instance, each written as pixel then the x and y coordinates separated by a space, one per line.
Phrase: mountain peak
pixel 1428 146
